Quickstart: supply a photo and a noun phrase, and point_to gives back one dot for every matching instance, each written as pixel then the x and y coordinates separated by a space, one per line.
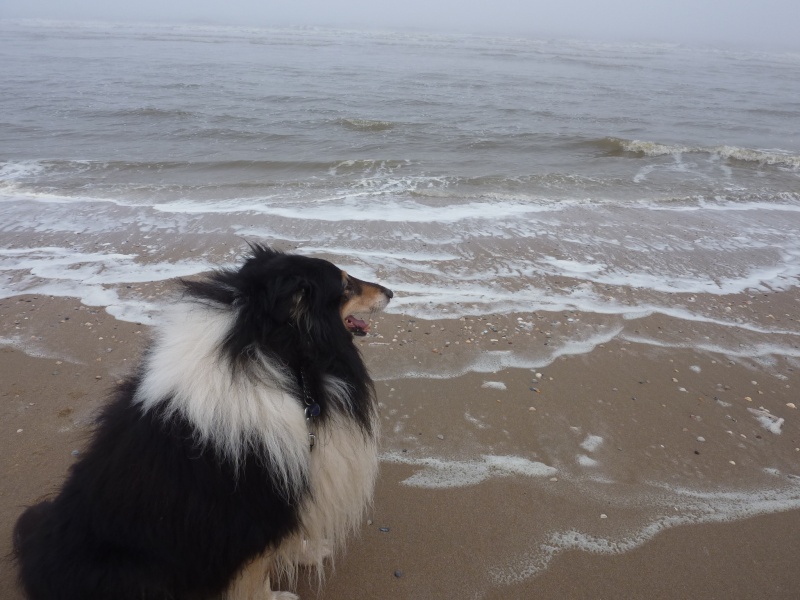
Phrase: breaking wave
pixel 771 157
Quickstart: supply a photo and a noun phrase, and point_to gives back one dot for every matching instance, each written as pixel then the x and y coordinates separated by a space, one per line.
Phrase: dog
pixel 244 446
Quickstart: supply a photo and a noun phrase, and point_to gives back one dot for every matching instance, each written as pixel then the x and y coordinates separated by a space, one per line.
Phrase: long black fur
pixel 150 513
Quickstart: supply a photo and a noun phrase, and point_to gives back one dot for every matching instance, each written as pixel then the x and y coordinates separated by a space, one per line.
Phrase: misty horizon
pixel 772 25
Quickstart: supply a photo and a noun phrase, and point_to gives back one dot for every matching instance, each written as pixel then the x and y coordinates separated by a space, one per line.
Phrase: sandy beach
pixel 627 471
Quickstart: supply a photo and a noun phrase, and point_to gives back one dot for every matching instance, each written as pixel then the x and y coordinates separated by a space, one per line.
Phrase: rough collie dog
pixel 244 447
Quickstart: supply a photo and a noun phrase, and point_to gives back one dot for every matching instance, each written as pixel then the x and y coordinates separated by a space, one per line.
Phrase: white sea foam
pixel 22 169
pixel 757 350
pixel 56 263
pixel 494 385
pixel 399 257
pixel 701 204
pixel 782 275
pixel 573 267
pixel 12 192
pixel 653 148
pixel 362 207
pixel 89 276
pixel 465 298
pixel 443 473
pixel 474 290
pixel 34 349
pixel 133 310
pixel 592 443
pixel 475 421
pixel 695 507
pixel 764 157
pixel 684 314
pixel 767 420
pixel 498 360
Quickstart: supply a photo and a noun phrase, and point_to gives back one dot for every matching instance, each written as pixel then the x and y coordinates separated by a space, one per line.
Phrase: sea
pixel 473 175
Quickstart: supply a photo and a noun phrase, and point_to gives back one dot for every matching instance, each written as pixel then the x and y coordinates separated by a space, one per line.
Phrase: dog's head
pixel 359 297
pixel 274 291
pixel 317 288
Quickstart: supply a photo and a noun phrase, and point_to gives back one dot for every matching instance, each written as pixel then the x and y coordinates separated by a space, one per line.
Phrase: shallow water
pixel 470 174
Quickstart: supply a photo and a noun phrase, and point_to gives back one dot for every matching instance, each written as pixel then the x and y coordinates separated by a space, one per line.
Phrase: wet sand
pixel 625 471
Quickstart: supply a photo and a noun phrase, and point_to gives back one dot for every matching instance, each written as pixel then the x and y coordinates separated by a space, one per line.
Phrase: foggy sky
pixel 771 24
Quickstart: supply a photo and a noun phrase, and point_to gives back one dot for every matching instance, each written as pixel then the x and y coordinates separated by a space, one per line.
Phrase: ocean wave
pixel 18 170
pixel 23 169
pixel 366 124
pixel 777 202
pixel 361 208
pixel 774 157
pixel 150 112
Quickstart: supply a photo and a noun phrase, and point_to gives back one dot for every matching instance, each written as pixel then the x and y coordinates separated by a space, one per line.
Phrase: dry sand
pixel 626 471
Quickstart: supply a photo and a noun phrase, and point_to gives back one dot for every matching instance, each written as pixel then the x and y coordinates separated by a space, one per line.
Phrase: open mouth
pixel 356 326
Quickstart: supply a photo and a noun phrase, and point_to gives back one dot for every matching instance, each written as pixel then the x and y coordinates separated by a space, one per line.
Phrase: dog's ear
pixel 284 299
pixel 316 310
pixel 299 309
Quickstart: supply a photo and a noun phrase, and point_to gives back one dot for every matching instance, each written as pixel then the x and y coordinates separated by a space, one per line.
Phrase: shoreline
pixel 485 470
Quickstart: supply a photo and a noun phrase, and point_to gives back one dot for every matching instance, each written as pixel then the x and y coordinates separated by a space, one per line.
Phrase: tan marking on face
pixel 361 296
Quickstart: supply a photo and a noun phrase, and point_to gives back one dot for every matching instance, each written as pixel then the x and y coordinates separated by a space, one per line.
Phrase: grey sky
pixel 751 23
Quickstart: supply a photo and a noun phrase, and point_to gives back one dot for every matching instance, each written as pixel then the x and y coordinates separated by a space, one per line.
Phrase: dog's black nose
pixel 389 293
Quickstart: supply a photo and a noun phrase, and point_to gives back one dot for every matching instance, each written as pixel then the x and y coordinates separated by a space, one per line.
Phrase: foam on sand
pixel 696 507
pixel 30 348
pixel 93 277
pixel 439 473
pixel 494 385
pixel 592 443
pixel 767 420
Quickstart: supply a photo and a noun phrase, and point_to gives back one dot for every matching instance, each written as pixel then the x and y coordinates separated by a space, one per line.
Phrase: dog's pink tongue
pixel 357 325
